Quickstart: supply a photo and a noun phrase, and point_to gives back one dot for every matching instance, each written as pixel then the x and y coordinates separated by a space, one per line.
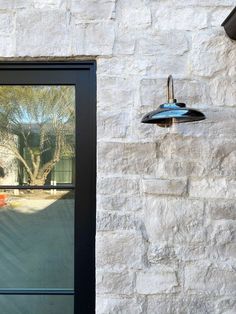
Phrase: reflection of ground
pixel 36 251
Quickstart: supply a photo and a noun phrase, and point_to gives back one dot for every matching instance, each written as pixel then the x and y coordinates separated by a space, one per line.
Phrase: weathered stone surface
pixel 7 46
pixel 222 239
pixel 124 44
pixel 184 148
pixel 161 253
pixel 120 250
pixel 122 158
pixel 212 49
pixel 120 202
pixel 212 188
pixel 166 167
pixel 149 282
pixel 174 221
pixel 133 14
pixel 121 305
pixel 6 23
pixel 115 283
pixel 204 277
pixel 93 9
pixel 48 33
pixel 211 3
pixel 184 305
pixel 114 93
pixel 117 185
pixel 226 305
pixel 191 21
pixel 163 43
pixel 113 124
pixel 116 221
pixel 221 209
pixel 49 4
pixel 92 38
pixel 13 4
pixel 165 187
pixel 222 90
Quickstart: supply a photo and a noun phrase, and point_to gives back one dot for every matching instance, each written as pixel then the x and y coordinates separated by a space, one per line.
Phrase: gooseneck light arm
pixel 170 90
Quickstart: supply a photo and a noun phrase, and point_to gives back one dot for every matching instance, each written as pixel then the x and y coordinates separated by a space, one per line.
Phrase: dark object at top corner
pixel 229 24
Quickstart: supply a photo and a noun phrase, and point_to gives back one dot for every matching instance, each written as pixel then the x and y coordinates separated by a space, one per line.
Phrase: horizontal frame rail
pixel 37 187
pixel 37 291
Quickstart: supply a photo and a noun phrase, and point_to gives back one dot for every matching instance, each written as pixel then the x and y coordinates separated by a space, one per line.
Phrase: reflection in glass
pixel 37 239
pixel 37 134
pixel 36 304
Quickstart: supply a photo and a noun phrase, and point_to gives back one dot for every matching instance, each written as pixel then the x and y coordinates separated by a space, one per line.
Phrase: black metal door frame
pixel 83 76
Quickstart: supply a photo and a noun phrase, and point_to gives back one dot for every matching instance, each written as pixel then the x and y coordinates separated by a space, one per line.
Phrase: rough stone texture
pixel 165 187
pixel 156 282
pixel 166 232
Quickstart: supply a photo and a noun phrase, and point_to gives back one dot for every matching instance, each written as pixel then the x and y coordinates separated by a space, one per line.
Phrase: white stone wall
pixel 166 221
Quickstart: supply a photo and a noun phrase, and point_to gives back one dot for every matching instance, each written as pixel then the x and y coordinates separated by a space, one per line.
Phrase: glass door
pixel 47 188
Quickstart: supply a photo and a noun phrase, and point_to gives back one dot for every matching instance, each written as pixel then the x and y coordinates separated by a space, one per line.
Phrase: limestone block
pixel 223 158
pixel 162 252
pixel 209 53
pixel 122 305
pixel 6 23
pixel 184 305
pixel 181 18
pixel 126 158
pixel 180 168
pixel 192 251
pixel 125 42
pixel 92 38
pixel 184 148
pixel 152 92
pixel 115 283
pixel 226 305
pixel 206 3
pixel 222 89
pixel 212 188
pixel 13 4
pixel 165 187
pixel 120 202
pixel 162 43
pixel 114 93
pixel 119 250
pixel 93 9
pixel 133 15
pixel 221 209
pixel 174 220
pixel 117 185
pixel 113 221
pixel 47 35
pixel 204 277
pixel 113 124
pixel 7 46
pixel 222 239
pixel 156 282
pixel 49 4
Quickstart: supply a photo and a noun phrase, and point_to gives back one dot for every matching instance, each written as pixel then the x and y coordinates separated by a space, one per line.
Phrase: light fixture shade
pixel 172 111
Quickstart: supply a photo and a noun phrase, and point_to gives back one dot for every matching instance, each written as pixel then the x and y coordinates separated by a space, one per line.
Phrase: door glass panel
pixel 37 132
pixel 20 304
pixel 36 239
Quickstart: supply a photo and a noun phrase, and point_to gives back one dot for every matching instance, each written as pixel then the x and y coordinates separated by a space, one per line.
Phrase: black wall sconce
pixel 172 112
pixel 229 24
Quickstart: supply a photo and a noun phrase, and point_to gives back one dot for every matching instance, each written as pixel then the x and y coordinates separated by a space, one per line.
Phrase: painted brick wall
pixel 166 239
